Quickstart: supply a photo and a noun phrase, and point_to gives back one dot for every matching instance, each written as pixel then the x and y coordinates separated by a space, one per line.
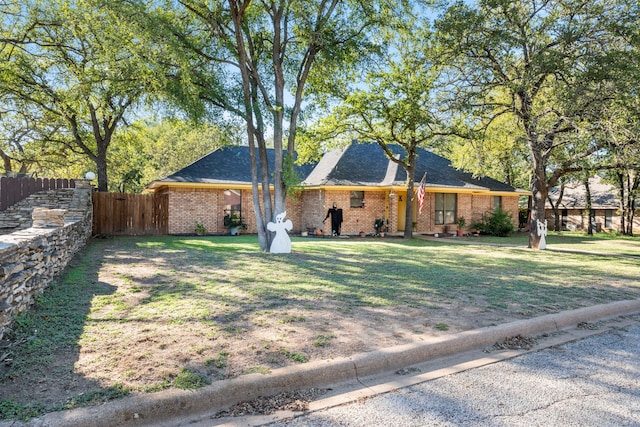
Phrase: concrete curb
pixel 140 410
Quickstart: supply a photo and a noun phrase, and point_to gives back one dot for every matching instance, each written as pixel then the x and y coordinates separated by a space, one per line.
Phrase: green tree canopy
pixel 395 105
pixel 252 60
pixel 498 150
pixel 554 65
pixel 147 151
pixel 623 130
pixel 74 63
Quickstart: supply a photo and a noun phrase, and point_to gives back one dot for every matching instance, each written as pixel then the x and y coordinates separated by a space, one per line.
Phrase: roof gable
pixel 440 173
pixel 357 165
pixel 366 164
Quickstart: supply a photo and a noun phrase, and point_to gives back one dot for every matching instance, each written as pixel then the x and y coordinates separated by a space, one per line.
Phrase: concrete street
pixel 591 382
pixel 579 367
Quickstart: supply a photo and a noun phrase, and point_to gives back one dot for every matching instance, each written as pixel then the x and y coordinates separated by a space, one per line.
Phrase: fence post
pixel 3 193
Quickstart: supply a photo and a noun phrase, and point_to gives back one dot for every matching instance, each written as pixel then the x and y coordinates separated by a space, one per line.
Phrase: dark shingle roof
pixel 359 164
pixel 367 164
pixel 440 173
pixel 603 196
pixel 227 165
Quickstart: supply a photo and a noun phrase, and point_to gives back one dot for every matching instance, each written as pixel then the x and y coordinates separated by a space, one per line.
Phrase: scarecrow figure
pixel 336 219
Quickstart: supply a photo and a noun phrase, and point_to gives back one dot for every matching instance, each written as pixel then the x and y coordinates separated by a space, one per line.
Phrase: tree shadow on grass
pixel 42 346
pixel 215 274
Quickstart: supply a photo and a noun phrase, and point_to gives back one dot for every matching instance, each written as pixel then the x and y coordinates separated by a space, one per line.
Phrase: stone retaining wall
pixel 30 257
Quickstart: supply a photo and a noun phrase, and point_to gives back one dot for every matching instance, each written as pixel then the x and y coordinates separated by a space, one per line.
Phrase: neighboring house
pixel 605 205
pixel 359 179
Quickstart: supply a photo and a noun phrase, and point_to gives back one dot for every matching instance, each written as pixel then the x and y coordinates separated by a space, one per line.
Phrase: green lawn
pixel 607 243
pixel 142 297
pixel 385 272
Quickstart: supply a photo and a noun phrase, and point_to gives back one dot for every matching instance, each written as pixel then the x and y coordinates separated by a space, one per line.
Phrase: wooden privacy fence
pixel 130 214
pixel 13 190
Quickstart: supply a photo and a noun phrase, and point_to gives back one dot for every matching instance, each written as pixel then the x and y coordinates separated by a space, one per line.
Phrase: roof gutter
pixel 159 185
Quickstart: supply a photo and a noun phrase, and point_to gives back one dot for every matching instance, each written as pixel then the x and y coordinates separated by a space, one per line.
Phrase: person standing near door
pixel 336 219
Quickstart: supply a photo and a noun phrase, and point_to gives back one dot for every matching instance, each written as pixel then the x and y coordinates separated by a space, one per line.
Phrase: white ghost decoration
pixel 281 243
pixel 542 232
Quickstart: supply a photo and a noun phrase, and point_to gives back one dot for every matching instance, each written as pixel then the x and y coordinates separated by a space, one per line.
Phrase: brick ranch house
pixel 359 179
pixel 605 206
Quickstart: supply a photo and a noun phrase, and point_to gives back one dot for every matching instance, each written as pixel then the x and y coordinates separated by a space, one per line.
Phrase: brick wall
pixel 484 204
pixel 470 206
pixel 190 205
pixel 354 220
pixel 481 205
pixel 314 204
pixel 293 206
pixel 577 221
pixel 294 213
pixel 308 209
pixel 510 205
pixel 425 220
pixel 375 207
pixel 206 206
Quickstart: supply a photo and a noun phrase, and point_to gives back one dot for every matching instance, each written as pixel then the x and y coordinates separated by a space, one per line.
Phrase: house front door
pixel 402 211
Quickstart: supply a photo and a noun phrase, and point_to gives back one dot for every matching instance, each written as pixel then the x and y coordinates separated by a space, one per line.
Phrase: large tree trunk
pixel 101 166
pixel 632 193
pixel 588 210
pixel 279 192
pixel 539 186
pixel 622 203
pixel 556 208
pixel 264 212
pixel 6 161
pixel 408 218
pixel 250 108
pixel 539 194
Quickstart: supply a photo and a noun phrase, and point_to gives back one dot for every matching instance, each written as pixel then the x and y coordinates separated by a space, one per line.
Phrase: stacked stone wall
pixel 31 257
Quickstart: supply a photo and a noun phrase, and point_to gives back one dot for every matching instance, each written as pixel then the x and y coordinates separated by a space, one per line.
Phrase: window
pixel 357 199
pixel 608 217
pixel 233 202
pixel 497 202
pixel 445 212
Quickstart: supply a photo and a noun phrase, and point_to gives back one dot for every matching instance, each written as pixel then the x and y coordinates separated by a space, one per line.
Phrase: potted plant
pixel 200 229
pixel 461 223
pixel 235 223
pixel 378 225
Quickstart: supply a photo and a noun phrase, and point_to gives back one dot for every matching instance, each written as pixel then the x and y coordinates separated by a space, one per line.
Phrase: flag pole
pixel 420 192
pixel 415 189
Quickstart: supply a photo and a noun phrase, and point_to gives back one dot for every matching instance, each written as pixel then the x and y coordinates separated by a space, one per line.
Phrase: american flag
pixel 420 198
pixel 421 194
